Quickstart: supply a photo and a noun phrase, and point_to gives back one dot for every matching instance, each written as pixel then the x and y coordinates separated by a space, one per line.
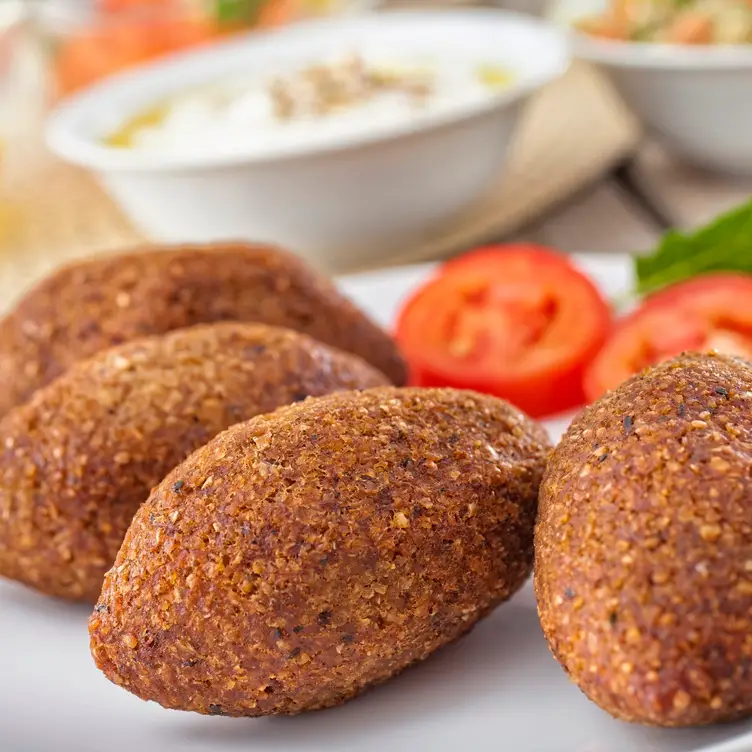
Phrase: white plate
pixel 498 689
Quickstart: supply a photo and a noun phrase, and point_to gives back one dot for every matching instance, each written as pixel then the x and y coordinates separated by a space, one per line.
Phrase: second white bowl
pixel 339 205
pixel 697 99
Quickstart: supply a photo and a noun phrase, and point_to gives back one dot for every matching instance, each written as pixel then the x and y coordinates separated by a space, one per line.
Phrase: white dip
pixel 323 104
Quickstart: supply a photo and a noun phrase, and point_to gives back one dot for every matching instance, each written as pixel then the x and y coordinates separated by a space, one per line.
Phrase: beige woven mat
pixel 574 131
pixel 571 134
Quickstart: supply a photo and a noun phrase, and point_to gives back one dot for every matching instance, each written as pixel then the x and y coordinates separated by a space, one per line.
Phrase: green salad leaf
pixel 723 245
pixel 238 11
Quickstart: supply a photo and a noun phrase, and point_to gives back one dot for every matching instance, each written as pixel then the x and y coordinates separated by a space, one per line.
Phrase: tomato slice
pixel 709 312
pixel 517 321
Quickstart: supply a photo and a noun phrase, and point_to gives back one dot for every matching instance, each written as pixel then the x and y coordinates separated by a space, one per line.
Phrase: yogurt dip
pixel 318 105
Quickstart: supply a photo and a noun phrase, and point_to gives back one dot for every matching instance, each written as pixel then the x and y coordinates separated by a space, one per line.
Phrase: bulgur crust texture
pixel 105 301
pixel 303 556
pixel 643 561
pixel 79 458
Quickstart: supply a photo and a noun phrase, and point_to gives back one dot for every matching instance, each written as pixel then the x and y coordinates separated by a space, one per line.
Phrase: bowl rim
pixel 63 130
pixel 659 56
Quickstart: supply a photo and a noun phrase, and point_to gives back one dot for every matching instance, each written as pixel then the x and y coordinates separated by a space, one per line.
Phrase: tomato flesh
pixel 710 312
pixel 520 322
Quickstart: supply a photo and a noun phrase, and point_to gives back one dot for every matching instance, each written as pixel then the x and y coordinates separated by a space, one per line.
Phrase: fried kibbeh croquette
pixel 303 556
pixel 95 304
pixel 82 455
pixel 643 562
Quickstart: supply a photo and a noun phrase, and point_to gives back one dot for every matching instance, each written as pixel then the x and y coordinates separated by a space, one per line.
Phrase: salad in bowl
pixel 683 66
pixel 673 21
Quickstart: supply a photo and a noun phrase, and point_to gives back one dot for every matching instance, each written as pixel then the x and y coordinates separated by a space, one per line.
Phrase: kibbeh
pixel 79 458
pixel 643 548
pixel 95 304
pixel 303 556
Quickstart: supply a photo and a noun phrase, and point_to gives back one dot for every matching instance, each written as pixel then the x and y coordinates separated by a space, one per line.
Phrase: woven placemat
pixel 574 131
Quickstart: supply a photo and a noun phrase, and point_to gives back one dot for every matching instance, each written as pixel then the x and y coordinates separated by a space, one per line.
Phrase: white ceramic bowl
pixel 340 205
pixel 697 99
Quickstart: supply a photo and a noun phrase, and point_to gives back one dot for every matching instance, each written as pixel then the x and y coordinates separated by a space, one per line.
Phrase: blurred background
pixel 585 172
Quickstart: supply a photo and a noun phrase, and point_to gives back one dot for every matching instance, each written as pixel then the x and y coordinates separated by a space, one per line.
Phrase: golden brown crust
pixel 643 568
pixel 314 552
pixel 80 457
pixel 106 301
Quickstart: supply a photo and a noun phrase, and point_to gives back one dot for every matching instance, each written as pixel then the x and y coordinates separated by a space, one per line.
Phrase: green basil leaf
pixel 238 11
pixel 723 245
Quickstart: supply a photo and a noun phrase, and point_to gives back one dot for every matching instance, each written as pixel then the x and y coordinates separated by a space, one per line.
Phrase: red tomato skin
pixel 553 391
pixel 726 293
pixel 494 253
pixel 721 283
pixel 537 400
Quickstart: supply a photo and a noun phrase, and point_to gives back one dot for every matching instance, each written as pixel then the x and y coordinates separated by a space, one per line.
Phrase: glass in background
pixel 13 115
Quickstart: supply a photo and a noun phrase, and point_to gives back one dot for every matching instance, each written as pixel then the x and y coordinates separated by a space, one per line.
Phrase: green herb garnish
pixel 238 12
pixel 723 245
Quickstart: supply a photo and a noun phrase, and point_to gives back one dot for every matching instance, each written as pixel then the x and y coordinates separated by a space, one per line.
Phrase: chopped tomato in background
pixel 517 321
pixel 708 312
pixel 118 6
pixel 143 30
pixel 93 54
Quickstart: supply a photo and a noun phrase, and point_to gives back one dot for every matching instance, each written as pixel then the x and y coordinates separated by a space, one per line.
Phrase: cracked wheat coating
pixel 305 555
pixel 643 563
pixel 79 458
pixel 106 301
